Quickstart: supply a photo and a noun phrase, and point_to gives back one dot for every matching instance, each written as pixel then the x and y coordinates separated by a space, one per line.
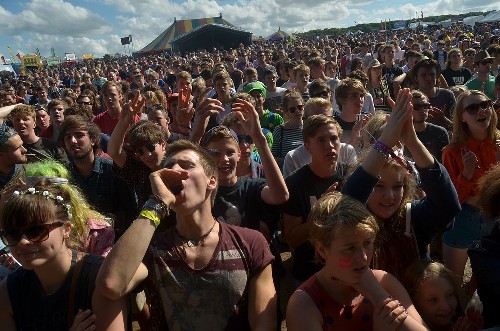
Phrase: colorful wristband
pixel 150 215
pixel 382 148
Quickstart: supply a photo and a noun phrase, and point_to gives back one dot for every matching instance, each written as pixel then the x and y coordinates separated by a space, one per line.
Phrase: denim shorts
pixel 469 226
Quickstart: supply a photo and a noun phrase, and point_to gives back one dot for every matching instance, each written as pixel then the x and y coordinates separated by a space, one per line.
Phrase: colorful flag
pixel 3 60
pixel 37 52
pixel 12 58
pixel 19 57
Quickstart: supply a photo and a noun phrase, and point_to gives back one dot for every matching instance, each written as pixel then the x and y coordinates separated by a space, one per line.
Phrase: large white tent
pixel 491 17
pixel 471 20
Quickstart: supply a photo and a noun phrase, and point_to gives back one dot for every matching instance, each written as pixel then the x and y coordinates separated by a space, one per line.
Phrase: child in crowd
pixel 346 294
pixel 432 290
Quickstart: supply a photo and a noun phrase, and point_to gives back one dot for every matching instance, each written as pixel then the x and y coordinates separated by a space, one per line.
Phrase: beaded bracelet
pixel 150 215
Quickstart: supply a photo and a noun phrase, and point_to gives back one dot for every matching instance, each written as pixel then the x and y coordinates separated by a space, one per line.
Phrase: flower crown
pixel 56 198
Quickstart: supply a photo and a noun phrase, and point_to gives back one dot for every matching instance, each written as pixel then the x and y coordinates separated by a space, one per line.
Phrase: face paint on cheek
pixel 344 263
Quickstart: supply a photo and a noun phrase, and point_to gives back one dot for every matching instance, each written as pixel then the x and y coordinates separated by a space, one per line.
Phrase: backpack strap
pixel 72 291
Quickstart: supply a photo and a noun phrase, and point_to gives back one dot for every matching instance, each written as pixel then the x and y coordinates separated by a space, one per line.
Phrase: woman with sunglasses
pixel 474 149
pixel 288 136
pixel 54 288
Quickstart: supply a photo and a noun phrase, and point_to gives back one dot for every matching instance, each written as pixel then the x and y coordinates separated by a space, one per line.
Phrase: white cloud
pixel 72 28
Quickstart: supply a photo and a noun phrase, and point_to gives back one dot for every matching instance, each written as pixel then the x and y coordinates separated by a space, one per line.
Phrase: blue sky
pixel 95 26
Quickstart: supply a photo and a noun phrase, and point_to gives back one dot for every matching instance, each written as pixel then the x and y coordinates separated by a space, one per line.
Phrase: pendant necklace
pixel 197 240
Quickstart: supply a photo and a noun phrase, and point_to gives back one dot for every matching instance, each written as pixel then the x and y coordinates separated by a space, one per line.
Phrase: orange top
pixel 452 160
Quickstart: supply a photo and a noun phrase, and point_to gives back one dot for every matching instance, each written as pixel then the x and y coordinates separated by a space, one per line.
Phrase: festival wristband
pixel 151 215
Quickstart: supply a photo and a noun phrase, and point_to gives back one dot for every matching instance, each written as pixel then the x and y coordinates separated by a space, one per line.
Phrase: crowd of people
pixel 162 188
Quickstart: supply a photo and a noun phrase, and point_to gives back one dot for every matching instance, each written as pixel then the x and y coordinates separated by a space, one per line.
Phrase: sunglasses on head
pixel 35 234
pixel 422 106
pixel 473 109
pixel 322 94
pixel 244 138
pixel 148 148
pixel 292 109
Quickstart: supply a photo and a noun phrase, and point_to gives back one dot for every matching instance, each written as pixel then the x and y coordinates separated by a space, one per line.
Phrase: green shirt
pixel 488 88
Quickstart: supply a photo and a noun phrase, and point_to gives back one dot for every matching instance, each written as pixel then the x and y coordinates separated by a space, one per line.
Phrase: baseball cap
pixel 255 86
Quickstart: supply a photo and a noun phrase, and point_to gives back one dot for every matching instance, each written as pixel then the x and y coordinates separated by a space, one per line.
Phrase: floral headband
pixel 56 198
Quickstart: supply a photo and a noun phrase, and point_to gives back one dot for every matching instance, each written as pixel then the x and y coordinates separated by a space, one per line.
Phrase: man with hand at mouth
pixel 223 269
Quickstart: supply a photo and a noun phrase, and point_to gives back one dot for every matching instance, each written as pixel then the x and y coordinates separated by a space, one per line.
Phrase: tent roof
pixel 279 35
pixel 178 28
pixel 211 35
pixel 491 17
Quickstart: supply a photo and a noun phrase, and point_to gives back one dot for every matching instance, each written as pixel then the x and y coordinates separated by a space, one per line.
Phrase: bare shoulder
pixel 302 313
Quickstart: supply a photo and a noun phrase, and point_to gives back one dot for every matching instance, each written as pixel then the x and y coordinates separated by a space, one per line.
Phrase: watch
pixel 154 205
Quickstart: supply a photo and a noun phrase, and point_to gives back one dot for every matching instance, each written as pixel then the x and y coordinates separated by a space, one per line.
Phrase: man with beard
pixel 38 149
pixel 93 174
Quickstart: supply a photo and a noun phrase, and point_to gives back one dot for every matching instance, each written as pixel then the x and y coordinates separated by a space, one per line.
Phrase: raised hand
pixel 469 159
pixel 167 184
pixel 185 109
pixel 206 106
pixel 401 111
pixel 132 108
pixel 248 116
pixel 438 117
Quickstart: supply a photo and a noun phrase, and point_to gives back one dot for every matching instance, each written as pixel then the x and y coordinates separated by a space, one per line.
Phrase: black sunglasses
pixel 473 108
pixel 298 107
pixel 244 138
pixel 36 233
pixel 422 106
pixel 150 148
pixel 322 94
pixel 84 103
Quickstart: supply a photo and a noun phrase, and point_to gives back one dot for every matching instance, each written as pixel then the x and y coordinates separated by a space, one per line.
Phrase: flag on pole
pixel 52 52
pixel 12 58
pixel 3 60
pixel 37 52
pixel 19 57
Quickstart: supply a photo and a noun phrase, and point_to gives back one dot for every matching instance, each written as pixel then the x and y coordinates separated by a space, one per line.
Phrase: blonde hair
pixel 334 211
pixel 421 270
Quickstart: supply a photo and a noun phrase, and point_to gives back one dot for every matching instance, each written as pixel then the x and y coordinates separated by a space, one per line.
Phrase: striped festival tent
pixel 178 28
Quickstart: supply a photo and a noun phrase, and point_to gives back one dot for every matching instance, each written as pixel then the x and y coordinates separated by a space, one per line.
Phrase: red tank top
pixel 335 315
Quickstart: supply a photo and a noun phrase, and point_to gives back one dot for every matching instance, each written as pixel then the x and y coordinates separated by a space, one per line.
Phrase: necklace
pixel 194 241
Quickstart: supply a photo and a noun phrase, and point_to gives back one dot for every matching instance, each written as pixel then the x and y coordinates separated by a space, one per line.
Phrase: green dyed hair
pixel 81 210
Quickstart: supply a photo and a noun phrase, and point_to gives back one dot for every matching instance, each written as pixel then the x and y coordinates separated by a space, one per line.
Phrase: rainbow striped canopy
pixel 178 28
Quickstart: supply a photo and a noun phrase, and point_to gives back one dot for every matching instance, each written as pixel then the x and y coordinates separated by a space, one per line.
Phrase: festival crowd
pixel 162 188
